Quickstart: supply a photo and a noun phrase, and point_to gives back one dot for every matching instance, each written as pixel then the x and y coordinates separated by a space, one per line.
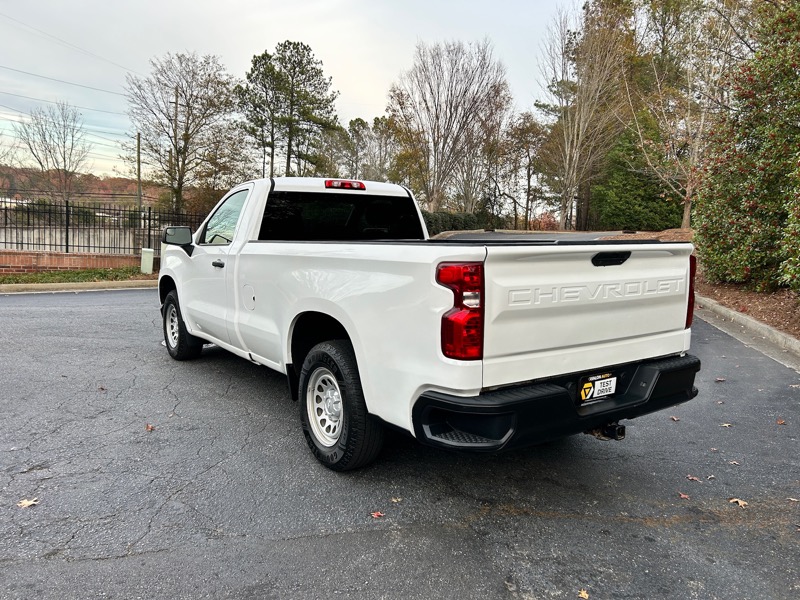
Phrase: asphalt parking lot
pixel 159 479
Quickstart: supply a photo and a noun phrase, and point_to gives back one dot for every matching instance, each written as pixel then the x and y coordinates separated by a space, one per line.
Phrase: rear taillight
pixel 690 307
pixel 462 325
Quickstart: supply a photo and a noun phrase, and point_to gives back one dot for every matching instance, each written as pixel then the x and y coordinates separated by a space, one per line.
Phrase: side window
pixel 221 226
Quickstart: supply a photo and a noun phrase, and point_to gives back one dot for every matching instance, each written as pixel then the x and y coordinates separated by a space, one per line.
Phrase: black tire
pixel 337 427
pixel 181 344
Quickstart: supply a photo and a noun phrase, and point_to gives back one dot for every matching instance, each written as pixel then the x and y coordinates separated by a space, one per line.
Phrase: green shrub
pixel 440 221
pixel 114 274
pixel 747 207
pixel 790 246
pixel 628 197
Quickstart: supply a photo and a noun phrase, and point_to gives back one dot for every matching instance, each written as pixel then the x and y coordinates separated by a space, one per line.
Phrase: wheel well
pixel 310 329
pixel 165 286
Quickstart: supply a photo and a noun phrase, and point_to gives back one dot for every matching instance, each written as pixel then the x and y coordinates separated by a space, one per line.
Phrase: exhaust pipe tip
pixel 609 431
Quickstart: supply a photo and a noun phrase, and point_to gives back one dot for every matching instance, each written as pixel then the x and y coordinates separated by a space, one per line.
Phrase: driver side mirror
pixel 177 236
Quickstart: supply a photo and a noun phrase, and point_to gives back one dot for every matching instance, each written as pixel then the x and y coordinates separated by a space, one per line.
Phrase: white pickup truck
pixel 473 345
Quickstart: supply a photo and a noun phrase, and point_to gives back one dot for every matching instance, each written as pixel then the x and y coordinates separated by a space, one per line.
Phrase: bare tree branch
pixel 197 91
pixel 55 139
pixel 688 89
pixel 583 71
pixel 437 106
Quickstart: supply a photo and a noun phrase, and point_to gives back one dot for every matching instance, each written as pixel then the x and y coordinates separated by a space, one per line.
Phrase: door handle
pixel 218 263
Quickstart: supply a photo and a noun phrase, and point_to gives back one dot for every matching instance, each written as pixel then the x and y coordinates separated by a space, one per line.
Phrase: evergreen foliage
pixel 288 104
pixel 439 222
pixel 747 215
pixel 482 220
pixel 629 196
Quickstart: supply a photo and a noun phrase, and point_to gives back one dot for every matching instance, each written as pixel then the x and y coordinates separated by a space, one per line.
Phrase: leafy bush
pixel 544 222
pixel 114 274
pixel 790 268
pixel 627 197
pixel 438 222
pixel 747 208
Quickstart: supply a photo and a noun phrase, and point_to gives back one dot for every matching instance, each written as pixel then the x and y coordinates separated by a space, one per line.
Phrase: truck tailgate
pixel 572 308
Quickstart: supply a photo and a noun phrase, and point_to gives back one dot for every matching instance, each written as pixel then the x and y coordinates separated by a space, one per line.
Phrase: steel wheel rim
pixel 172 330
pixel 324 407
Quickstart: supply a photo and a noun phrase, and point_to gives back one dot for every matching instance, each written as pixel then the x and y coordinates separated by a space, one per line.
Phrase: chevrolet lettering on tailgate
pixel 601 291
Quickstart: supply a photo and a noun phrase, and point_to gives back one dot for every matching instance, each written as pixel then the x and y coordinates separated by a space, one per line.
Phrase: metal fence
pixel 77 227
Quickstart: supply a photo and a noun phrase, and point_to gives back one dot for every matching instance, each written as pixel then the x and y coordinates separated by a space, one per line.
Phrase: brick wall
pixel 20 261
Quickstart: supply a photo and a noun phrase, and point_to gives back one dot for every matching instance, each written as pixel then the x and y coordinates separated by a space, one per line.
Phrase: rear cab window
pixel 327 217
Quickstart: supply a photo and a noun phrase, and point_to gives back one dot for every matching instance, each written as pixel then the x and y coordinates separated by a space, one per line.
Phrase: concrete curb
pixel 783 340
pixel 83 286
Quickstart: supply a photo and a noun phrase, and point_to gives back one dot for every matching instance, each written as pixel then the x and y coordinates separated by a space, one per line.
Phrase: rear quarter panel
pixel 385 296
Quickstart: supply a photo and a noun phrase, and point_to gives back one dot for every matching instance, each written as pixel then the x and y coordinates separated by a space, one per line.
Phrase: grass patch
pixel 118 274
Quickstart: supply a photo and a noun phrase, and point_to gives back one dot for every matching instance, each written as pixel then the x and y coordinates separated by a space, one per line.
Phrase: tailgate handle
pixel 218 263
pixel 610 259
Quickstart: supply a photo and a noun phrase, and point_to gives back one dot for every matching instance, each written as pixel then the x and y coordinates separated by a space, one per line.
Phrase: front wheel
pixel 181 344
pixel 337 427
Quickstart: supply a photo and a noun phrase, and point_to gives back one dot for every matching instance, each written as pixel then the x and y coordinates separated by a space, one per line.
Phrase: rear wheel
pixel 181 344
pixel 337 427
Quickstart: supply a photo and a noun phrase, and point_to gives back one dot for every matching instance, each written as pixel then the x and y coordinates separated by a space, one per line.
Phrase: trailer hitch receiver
pixel 609 431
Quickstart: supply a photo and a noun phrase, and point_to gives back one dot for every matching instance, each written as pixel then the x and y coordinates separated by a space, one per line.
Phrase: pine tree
pixel 287 103
pixel 259 99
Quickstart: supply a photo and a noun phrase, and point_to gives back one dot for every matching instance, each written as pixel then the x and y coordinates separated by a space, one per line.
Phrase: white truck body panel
pixel 548 310
pixel 384 295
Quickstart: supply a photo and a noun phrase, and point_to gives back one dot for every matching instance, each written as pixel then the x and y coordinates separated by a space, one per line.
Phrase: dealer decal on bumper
pixel 597 387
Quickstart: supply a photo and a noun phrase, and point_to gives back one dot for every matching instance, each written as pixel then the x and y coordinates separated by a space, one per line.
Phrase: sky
pixel 49 46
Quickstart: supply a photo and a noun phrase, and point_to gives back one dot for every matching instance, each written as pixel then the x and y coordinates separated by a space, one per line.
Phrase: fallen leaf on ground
pixel 683 496
pixel 101 388
pixel 583 594
pixel 710 477
pixel 738 502
pixel 795 385
pixel 727 425
pixel 675 418
pixel 720 401
pixel 793 499
pixel 377 514
pixel 719 379
pixel 714 450
pixel 733 462
pixel 149 427
pixel 28 503
pixel 781 422
pixel 692 478
pixel 396 500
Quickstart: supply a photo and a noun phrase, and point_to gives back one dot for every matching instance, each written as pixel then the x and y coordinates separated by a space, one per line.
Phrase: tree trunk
pixel 686 223
pixel 272 154
pixel 289 141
